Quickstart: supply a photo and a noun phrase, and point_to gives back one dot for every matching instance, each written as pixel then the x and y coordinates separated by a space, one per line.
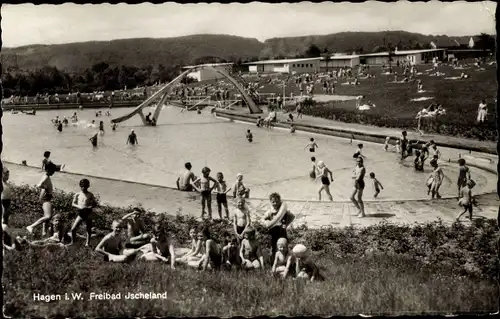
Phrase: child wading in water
pixel 466 199
pixel 84 202
pixel 435 179
pixel 46 161
pixel 312 173
pixel 325 174
pixel 312 146
pixel 222 191
pixel 205 190
pixel 376 185
pixel 249 136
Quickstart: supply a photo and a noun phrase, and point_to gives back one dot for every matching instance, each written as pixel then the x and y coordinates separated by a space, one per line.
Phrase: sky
pixel 26 24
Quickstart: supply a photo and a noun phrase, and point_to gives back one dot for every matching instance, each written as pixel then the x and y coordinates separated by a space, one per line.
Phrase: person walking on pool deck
pixel 359 185
pixel 132 138
pixel 84 202
pixel 435 179
pixel 184 181
pixel 376 185
pixel 312 146
pixel 324 173
pixel 205 190
pixel 465 200
pixel 239 190
pixel 46 195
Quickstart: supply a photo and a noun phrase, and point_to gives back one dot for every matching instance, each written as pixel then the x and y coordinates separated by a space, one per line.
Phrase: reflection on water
pixel 275 161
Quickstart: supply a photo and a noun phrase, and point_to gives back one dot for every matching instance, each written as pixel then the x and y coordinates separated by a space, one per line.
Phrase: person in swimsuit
pixel 249 136
pixel 212 253
pixel 305 268
pixel 403 145
pixel 46 194
pixel 376 185
pixel 184 181
pixel 312 145
pixel 359 185
pixel 463 175
pixel 161 247
pixel 6 196
pixel 193 235
pixel 231 254
pixel 386 143
pixel 282 259
pixel 277 219
pixel 46 161
pixel 84 202
pixel 113 127
pixel 222 191
pixel 137 236
pixel 250 251
pixel 292 128
pixel 93 140
pixel 21 242
pixel 358 151
pixel 435 151
pixel 101 128
pixel 239 189
pixel 435 179
pixel 313 172
pixel 241 219
pixel 419 161
pixel 465 200
pixel 112 246
pixel 206 191
pixel 132 138
pixel 324 173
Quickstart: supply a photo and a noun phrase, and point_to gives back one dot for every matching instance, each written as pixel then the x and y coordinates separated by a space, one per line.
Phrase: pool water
pixel 275 161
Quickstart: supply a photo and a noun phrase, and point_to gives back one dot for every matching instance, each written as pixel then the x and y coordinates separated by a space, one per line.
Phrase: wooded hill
pixel 194 49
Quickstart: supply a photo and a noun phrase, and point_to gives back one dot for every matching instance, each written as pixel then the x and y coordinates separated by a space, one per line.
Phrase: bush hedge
pixel 470 249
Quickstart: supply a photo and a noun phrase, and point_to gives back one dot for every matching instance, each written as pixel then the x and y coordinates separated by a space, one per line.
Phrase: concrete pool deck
pixel 313 214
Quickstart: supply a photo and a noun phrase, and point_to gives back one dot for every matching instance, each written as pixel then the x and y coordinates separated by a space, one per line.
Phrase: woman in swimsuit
pixel 359 185
pixel 312 146
pixel 435 179
pixel 323 174
pixel 6 196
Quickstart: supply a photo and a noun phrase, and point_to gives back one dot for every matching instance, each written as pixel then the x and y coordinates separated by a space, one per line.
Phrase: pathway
pixel 312 213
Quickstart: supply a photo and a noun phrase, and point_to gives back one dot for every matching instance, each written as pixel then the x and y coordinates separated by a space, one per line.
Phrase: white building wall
pixel 305 67
pixel 252 68
pixel 195 75
pixel 282 68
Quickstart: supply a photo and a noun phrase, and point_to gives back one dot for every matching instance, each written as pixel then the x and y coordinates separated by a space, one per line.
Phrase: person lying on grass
pixel 282 259
pixel 305 268
pixel 112 246
pixel 212 254
pixel 160 248
pixel 84 202
pixel 21 242
pixel 241 220
pixel 194 243
pixel 136 232
pixel 250 252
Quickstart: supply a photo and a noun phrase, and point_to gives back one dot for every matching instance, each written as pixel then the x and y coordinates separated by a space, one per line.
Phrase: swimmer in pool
pixel 249 136
pixel 312 146
pixel 323 173
pixel 132 138
pixel 93 140
pixel 101 128
pixel 358 151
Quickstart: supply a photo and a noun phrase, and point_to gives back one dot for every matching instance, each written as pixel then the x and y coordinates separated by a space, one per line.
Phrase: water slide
pixel 164 90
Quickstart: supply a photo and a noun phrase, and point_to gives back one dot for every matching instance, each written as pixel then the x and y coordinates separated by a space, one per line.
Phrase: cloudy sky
pixel 52 24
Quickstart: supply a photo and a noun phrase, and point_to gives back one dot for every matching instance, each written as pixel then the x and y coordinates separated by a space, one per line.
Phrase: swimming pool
pixel 275 162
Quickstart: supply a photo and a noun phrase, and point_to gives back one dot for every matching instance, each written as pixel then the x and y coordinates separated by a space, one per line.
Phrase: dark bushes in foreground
pixel 463 249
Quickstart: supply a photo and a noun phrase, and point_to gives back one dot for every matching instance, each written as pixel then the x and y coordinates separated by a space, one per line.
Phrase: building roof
pixel 207 64
pixel 401 52
pixel 343 57
pixel 282 61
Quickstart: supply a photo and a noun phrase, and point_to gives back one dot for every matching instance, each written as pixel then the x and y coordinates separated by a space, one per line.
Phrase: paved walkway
pixel 375 130
pixel 311 213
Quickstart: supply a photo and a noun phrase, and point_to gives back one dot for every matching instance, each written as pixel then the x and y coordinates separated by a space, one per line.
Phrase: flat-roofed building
pixel 304 65
pixel 207 74
pixel 339 61
pixel 412 56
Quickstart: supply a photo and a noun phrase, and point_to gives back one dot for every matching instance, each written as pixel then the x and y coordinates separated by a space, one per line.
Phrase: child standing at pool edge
pixel 205 190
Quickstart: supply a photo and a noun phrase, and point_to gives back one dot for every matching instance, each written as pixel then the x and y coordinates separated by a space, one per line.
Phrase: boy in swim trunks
pixel 465 200
pixel 312 146
pixel 184 181
pixel 46 195
pixel 239 190
pixel 323 174
pixel 231 254
pixel 137 236
pixel 376 185
pixel 112 246
pixel 358 151
pixel 241 219
pixel 46 161
pixel 435 179
pixel 222 191
pixel 312 173
pixel 206 191
pixel 250 252
pixel 84 202
pixel 282 259
pixel 403 145
pixel 249 136
pixel 132 138
pixel 463 175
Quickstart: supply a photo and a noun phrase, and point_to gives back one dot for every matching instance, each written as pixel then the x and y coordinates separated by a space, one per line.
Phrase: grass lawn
pixel 382 269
